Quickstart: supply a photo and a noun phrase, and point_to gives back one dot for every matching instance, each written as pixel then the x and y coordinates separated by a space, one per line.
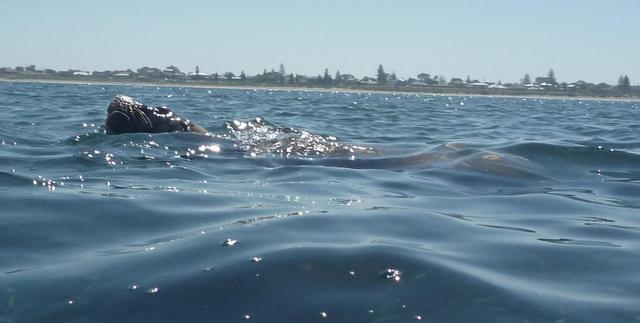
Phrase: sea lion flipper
pixel 197 128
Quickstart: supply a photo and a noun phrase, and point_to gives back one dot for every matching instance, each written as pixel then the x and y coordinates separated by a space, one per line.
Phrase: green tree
pixel 527 79
pixel 281 74
pixel 197 70
pixel 229 75
pixel 425 78
pixel 173 69
pixel 625 85
pixel 326 79
pixel 442 80
pixel 552 77
pixel 382 76
pixel 243 76
pixel 338 77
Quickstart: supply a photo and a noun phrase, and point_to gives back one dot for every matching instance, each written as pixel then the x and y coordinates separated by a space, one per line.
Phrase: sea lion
pixel 125 115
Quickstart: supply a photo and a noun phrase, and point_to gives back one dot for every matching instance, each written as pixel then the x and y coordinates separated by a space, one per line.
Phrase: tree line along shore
pixel 382 81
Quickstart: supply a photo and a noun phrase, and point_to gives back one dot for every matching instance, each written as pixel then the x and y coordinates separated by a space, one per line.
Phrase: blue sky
pixel 494 40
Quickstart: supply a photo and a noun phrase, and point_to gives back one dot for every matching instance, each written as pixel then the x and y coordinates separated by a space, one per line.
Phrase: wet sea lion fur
pixel 124 115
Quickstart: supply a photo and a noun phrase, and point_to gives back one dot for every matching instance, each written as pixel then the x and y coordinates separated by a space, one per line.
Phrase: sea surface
pixel 305 206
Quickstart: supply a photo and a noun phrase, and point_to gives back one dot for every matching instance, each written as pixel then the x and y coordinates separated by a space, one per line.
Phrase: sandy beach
pixel 323 89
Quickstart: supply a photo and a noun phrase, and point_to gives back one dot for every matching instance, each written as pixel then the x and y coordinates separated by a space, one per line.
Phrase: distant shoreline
pixel 318 89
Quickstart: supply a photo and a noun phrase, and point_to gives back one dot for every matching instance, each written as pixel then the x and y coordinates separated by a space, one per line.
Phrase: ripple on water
pixel 349 207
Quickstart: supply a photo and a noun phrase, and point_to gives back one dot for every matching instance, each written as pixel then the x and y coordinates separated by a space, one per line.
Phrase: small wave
pixel 553 154
pixel 581 242
pixel 11 179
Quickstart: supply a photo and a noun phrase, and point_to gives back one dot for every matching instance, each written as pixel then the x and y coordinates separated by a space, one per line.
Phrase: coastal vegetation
pixel 382 81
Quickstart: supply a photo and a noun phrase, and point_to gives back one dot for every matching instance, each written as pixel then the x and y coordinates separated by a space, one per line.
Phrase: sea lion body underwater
pixel 125 115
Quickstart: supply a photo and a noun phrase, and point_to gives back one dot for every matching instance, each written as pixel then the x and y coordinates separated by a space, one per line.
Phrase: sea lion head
pixel 117 122
pixel 125 115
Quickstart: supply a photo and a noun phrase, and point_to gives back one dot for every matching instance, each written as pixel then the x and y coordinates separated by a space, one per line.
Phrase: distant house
pixel 545 81
pixel 580 85
pixel 419 83
pixel 150 72
pixel 81 73
pixel 198 76
pixel 603 86
pixel 122 73
pixel 348 78
pixel 368 80
pixel 67 73
pixel 479 85
pixel 173 73
pixel 533 87
pixel 396 82
pixel 103 74
pixel 456 82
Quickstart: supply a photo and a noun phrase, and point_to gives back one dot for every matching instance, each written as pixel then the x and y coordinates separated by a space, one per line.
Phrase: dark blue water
pixel 483 209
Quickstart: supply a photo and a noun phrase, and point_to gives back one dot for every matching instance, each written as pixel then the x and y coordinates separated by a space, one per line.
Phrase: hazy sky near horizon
pixel 496 40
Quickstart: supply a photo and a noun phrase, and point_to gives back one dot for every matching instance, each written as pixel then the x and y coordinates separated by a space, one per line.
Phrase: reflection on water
pixel 342 207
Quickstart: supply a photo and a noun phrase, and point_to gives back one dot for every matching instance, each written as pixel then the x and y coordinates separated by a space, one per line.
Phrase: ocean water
pixel 307 206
